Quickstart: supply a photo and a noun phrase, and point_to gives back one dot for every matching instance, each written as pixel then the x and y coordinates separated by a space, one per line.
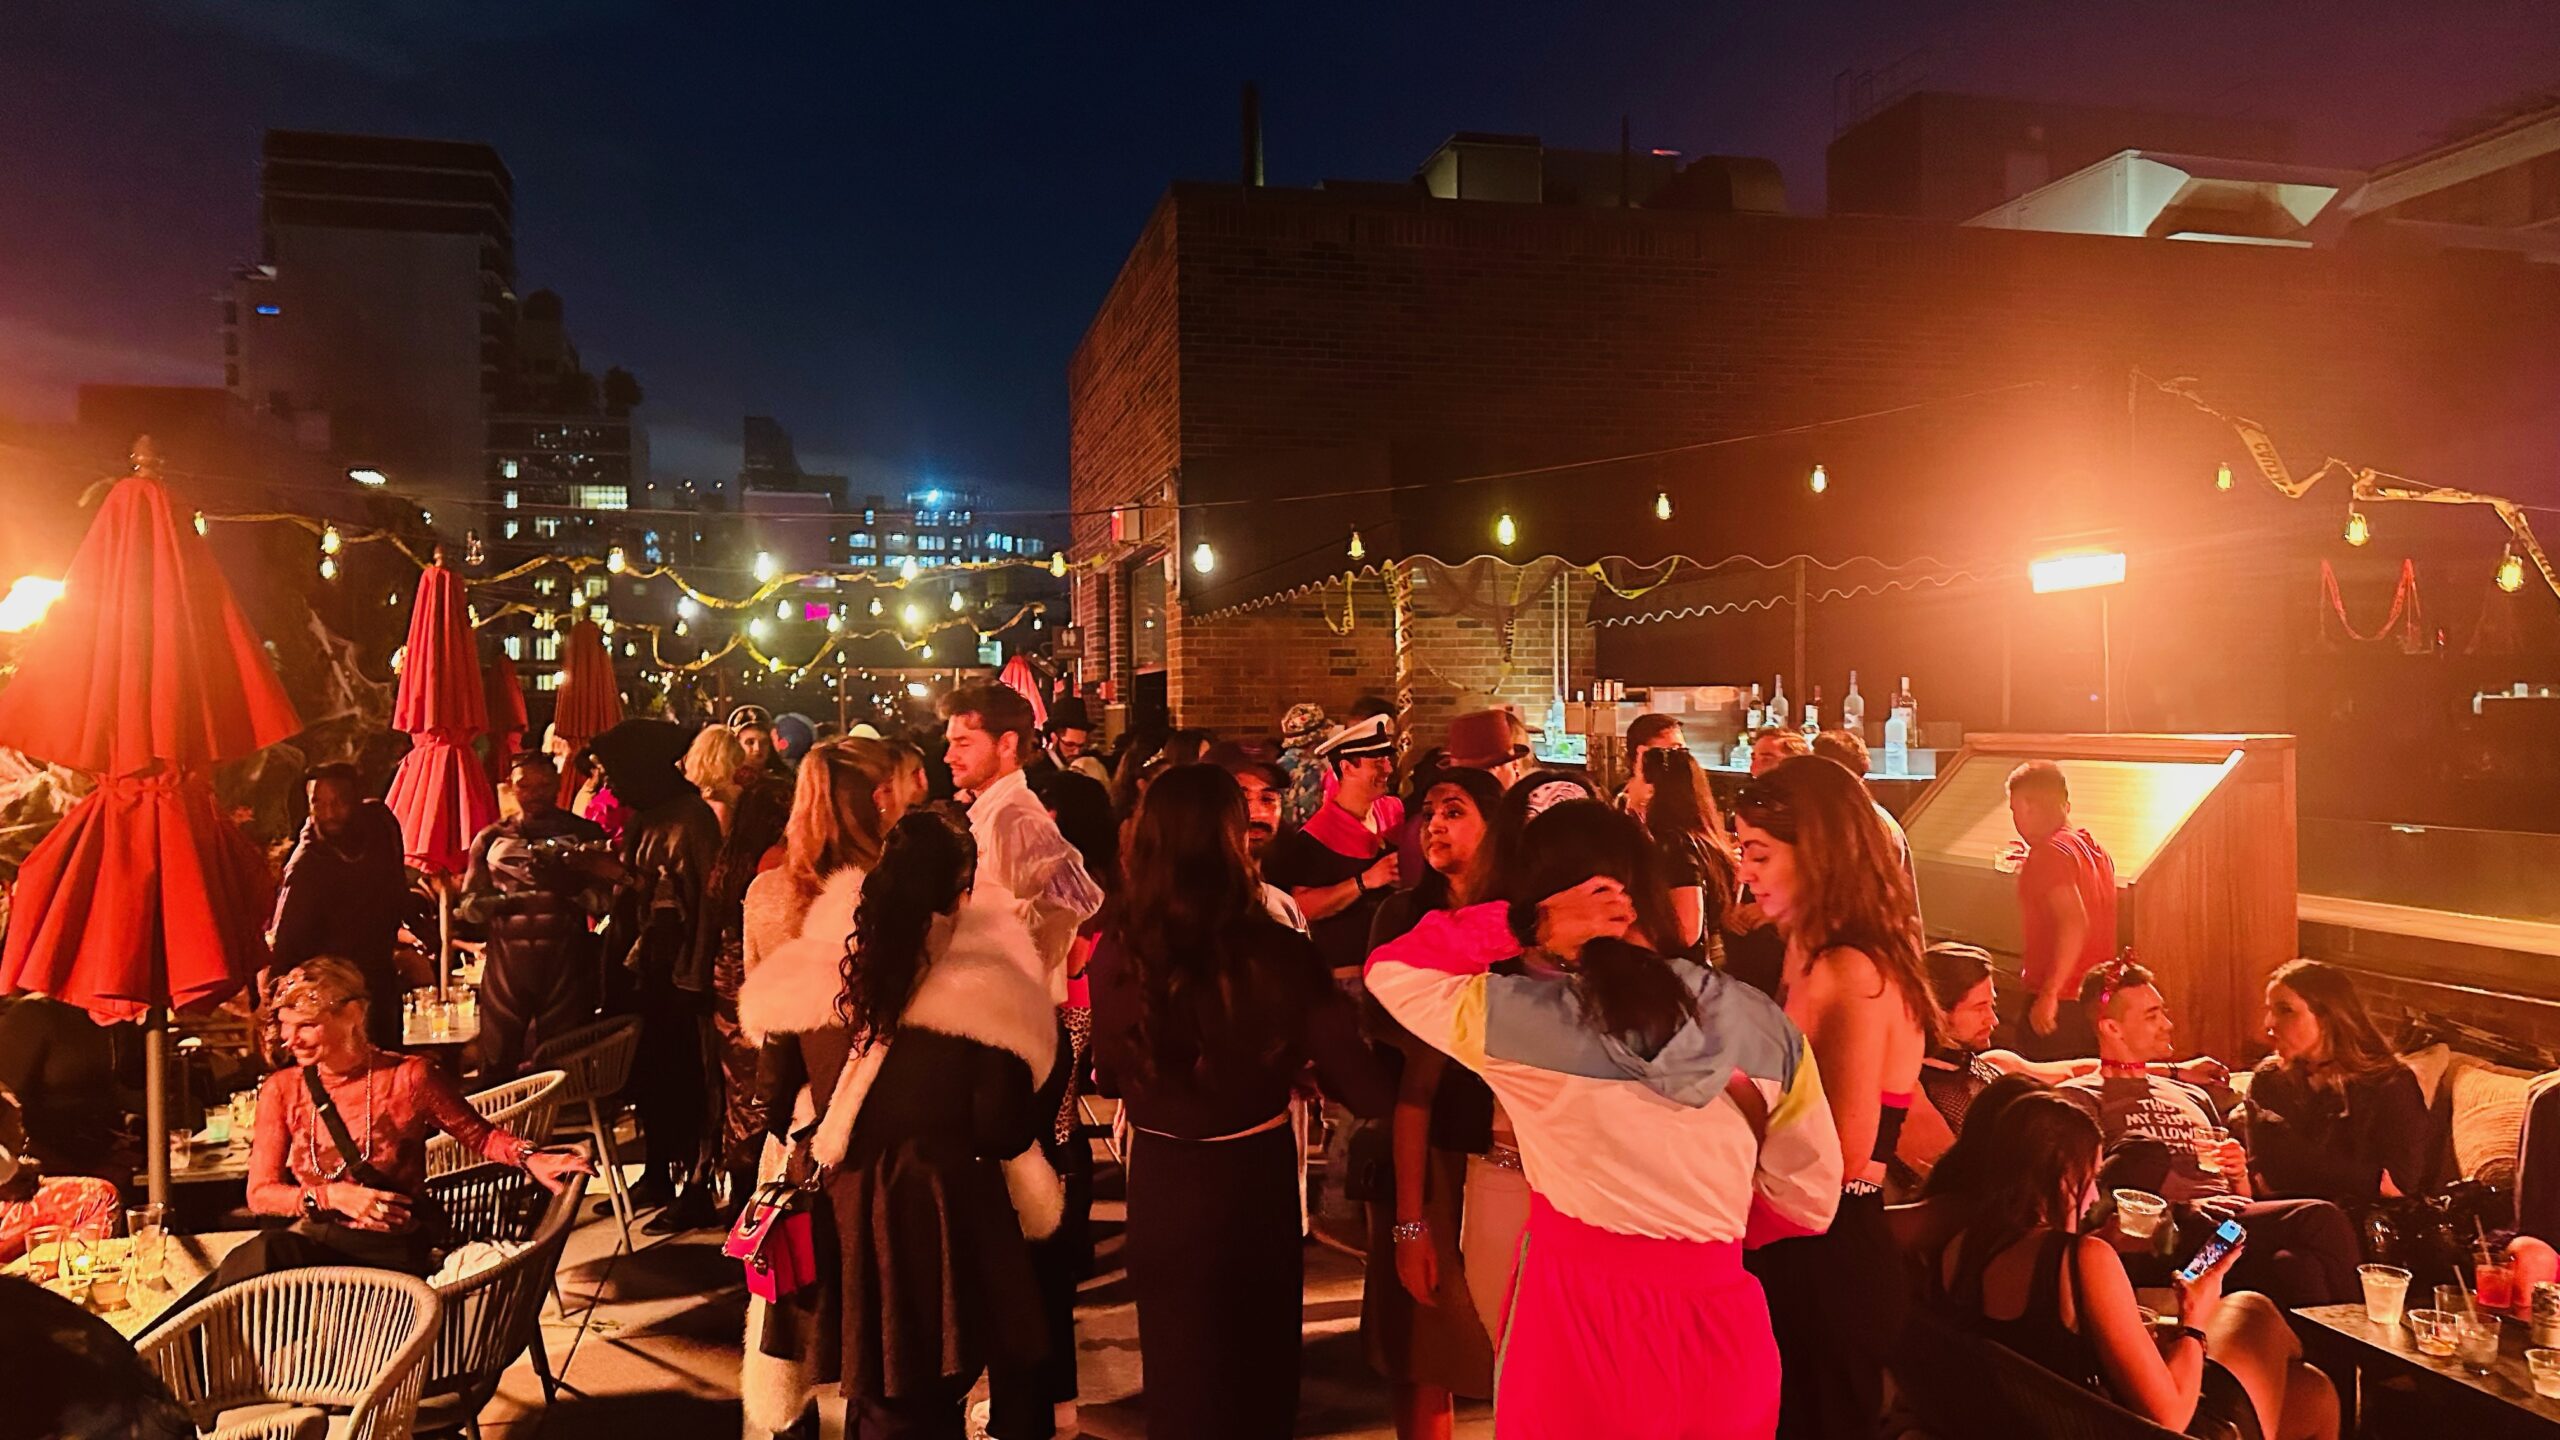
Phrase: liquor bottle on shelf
pixel 1813 714
pixel 1901 728
pixel 1776 716
pixel 1755 713
pixel 1853 709
pixel 1742 751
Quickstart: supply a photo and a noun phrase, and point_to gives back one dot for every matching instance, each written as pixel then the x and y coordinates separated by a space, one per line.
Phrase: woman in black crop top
pixel 2019 1274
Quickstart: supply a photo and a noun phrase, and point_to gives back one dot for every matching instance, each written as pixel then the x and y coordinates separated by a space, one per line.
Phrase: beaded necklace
pixel 311 1137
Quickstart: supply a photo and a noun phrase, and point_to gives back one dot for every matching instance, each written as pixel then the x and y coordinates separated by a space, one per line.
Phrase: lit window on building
pixel 515 647
pixel 270 309
pixel 513 530
pixel 511 495
pixel 861 540
pixel 869 517
pixel 547 680
pixel 600 497
pixel 547 646
pixel 510 469
pixel 596 586
pixel 545 584
pixel 599 612
pixel 897 539
pixel 546 526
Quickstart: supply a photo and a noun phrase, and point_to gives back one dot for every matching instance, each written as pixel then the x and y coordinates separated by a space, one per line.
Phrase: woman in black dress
pixel 931 1132
pixel 2333 1114
pixel 1205 1009
pixel 1680 813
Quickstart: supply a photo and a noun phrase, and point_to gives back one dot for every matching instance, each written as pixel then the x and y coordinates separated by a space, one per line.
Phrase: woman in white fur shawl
pixel 929 1132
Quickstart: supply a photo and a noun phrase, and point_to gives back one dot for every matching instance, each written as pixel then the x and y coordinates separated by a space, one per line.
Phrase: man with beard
pixel 987 737
pixel 540 972
pixel 1266 793
pixel 1340 865
pixel 652 965
pixel 346 892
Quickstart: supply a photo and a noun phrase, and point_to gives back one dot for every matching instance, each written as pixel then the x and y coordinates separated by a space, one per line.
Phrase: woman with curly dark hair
pixel 929 1138
pixel 1205 1010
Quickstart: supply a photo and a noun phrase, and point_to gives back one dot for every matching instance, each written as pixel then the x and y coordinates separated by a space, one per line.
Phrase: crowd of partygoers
pixel 1661 1117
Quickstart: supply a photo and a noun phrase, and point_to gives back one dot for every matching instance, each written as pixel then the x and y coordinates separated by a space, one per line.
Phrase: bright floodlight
pixel 2085 570
pixel 368 477
pixel 26 603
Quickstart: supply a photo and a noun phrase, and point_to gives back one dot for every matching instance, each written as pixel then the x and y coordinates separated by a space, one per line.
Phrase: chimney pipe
pixel 1252 156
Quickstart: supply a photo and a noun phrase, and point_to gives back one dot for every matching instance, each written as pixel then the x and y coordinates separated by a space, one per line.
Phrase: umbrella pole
pixel 155 1104
pixel 444 935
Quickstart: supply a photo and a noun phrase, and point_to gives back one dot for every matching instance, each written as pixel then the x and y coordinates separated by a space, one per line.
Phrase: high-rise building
pixel 376 320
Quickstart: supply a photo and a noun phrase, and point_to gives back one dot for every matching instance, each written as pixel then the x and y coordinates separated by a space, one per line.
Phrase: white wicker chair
pixel 346 1339
pixel 491 1317
pixel 520 1107
pixel 598 1059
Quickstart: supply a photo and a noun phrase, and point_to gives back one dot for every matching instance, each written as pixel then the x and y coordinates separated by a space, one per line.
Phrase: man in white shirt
pixel 988 733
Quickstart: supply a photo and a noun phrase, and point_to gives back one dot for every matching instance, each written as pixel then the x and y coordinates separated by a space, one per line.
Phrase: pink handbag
pixel 772 1236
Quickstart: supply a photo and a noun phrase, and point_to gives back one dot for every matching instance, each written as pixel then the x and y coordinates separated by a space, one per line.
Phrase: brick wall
pixel 1468 337
pixel 1123 434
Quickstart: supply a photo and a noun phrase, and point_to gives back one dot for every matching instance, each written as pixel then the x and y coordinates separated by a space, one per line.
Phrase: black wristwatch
pixel 2201 1342
pixel 311 1204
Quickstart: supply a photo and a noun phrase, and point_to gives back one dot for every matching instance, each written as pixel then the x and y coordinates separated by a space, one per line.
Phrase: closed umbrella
pixel 588 702
pixel 503 695
pixel 1018 675
pixel 440 793
pixel 145 674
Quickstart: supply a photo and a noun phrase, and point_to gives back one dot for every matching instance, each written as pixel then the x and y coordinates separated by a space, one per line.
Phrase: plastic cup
pixel 2453 1299
pixel 2432 1332
pixel 2475 1339
pixel 44 1252
pixel 148 1226
pixel 2386 1289
pixel 2140 1214
pixel 182 1147
pixel 2545 1365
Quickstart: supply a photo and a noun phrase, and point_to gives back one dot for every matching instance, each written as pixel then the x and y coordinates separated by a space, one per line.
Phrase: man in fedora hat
pixel 1064 738
pixel 1494 741
pixel 1341 863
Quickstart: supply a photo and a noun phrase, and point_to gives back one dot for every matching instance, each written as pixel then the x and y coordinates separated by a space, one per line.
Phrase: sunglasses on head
pixel 2112 977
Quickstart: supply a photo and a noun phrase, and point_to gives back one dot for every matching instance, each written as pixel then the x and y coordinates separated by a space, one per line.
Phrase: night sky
pixel 888 226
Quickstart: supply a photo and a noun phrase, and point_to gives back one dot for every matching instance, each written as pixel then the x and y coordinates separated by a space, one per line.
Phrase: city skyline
pixel 874 229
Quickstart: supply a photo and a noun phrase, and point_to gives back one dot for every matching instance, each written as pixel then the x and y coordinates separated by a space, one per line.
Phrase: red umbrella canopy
pixel 146 673
pixel 589 703
pixel 503 696
pixel 440 794
pixel 146 661
pixel 1021 678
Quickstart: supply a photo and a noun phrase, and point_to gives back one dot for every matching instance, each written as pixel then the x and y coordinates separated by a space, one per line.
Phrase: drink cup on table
pixel 2475 1338
pixel 44 1252
pixel 2386 1290
pixel 2453 1299
pixel 148 1228
pixel 2545 1365
pixel 2140 1214
pixel 2431 1331
pixel 2492 1280
pixel 182 1148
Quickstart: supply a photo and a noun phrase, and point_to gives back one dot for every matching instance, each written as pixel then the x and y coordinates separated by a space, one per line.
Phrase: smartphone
pixel 2225 1238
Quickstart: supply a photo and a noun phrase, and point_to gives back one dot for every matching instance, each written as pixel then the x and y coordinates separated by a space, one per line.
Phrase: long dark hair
pixel 1082 807
pixel 1855 893
pixel 2042 1152
pixel 1961 1171
pixel 1188 919
pixel 1627 990
pixel 1683 811
pixel 925 870
pixel 756 822
pixel 1485 793
pixel 2356 1046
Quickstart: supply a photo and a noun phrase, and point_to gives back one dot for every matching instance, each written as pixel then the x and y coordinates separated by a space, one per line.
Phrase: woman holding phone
pixel 2020 1273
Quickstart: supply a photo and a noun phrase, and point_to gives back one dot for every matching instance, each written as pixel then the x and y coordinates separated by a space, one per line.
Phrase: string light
pixel 399 659
pixel 757 629
pixel 391 599
pixel 1662 505
pixel 1203 559
pixel 912 614
pixel 578 598
pixel 473 552
pixel 1058 564
pixel 959 602
pixel 766 568
pixel 2222 477
pixel 687 610
pixel 1505 532
pixel 876 607
pixel 682 629
pixel 1819 481
pixel 614 560
pixel 2511 571
pixel 1358 550
pixel 331 542
pixel 781 609
pixel 201 527
pixel 630 648
pixel 328 567
pixel 2359 530
pixel 835 623
pixel 907 568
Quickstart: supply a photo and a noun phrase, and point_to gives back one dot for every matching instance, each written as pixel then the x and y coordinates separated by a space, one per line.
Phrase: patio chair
pixel 522 1106
pixel 348 1340
pixel 597 1058
pixel 493 1315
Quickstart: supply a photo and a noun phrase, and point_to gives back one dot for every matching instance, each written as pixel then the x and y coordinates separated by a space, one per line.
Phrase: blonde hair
pixel 835 811
pixel 712 762
pixel 322 983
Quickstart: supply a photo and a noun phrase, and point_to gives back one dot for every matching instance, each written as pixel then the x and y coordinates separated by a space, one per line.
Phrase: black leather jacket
pixel 543 926
pixel 657 910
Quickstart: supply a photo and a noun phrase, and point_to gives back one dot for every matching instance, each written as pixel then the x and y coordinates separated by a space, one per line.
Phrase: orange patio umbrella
pixel 589 703
pixel 145 675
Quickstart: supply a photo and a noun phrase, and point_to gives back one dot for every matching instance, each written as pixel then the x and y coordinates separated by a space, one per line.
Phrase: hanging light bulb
pixel 630 648
pixel 2359 530
pixel 473 552
pixel 959 602
pixel 1819 481
pixel 201 527
pixel 913 614
pixel 1037 624
pixel 474 612
pixel 614 560
pixel 606 625
pixel 1358 550
pixel 1662 505
pixel 2222 477
pixel 907 568
pixel 766 567
pixel 782 610
pixel 391 599
pixel 331 542
pixel 328 567
pixel 835 623
pixel 681 629
pixel 562 679
pixel 773 663
pixel 399 659
pixel 1203 559
pixel 1505 532
pixel 1058 564
pixel 686 609
pixel 757 629
pixel 876 607
pixel 2511 571
pixel 578 599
